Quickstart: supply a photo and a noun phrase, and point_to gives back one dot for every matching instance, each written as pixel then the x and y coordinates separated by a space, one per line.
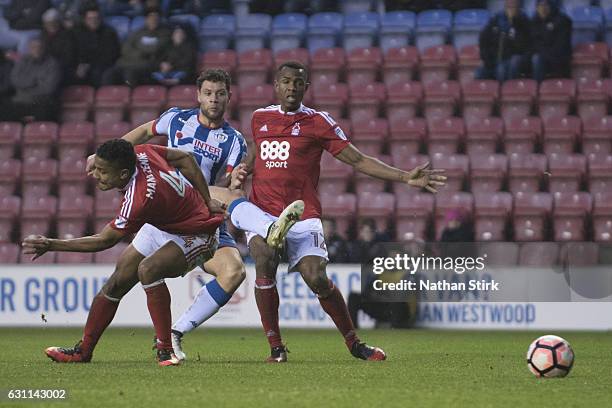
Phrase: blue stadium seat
pixel 396 29
pixel 121 24
pixel 190 21
pixel 323 30
pixel 570 4
pixel 467 26
pixel 252 32
pixel 495 6
pixel 216 32
pixel 608 29
pixel 587 24
pixel 360 30
pixel 433 27
pixel 137 23
pixel 288 31
pixel 355 6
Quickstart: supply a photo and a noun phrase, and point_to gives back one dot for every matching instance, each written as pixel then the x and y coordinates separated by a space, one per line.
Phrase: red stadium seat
pixel 72 177
pixel 588 60
pixel 593 98
pixel 456 168
pixel 378 206
pixel 572 254
pixel 596 135
pixel 517 98
pixel 400 65
pixel 365 100
pixel 469 61
pixel 292 54
pixel 10 207
pixel 363 65
pixel 10 175
pixel 110 255
pixel 224 59
pixel 39 139
pixel 107 131
pixel 147 103
pixel 341 207
pixel 406 136
pixel 499 253
pixel 364 183
pixel 445 201
pixel 253 98
pixel 374 130
pixel 185 97
pixel 570 216
pixel 413 214
pixel 441 99
pixel 9 253
pixel 403 100
pixel 479 99
pixel 331 98
pixel 492 212
pixel 600 173
pixel 561 134
pixel 445 135
pixel 531 216
pixel 555 97
pixel 10 138
pixel 74 258
pixel 335 175
pixel 253 67
pixel 107 204
pixel 566 172
pixel 77 101
pixel 522 134
pixel 407 163
pixel 539 254
pixel 483 136
pixel 37 215
pixel 75 139
pixel 526 172
pixel 602 217
pixel 111 102
pixel 488 172
pixel 437 62
pixel 38 176
pixel 73 215
pixel 330 62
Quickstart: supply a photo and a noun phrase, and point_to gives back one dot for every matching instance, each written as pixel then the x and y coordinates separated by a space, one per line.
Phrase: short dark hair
pixel 119 152
pixel 293 65
pixel 214 75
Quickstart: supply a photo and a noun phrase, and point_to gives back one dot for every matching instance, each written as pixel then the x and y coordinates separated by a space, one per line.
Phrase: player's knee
pixel 317 280
pixel 147 272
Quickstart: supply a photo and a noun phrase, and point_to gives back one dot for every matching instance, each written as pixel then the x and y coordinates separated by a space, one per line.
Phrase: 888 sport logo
pixel 274 153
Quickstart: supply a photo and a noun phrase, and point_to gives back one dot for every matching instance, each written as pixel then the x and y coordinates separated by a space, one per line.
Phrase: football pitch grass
pixel 225 368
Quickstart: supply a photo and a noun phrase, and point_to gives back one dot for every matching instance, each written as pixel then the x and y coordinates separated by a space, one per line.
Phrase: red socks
pixel 336 308
pixel 101 314
pixel 158 302
pixel 266 297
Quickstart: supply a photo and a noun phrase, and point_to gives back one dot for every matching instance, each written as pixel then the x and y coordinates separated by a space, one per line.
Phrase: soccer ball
pixel 550 356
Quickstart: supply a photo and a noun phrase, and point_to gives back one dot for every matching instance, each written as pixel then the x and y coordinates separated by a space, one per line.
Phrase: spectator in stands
pixel 178 63
pixel 367 245
pixel 24 23
pixel 6 65
pixel 459 227
pixel 141 53
pixel 35 77
pixel 337 247
pixel 97 47
pixel 59 43
pixel 551 33
pixel 505 44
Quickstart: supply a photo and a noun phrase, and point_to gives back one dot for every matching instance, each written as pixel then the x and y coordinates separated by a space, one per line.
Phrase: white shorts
pixel 197 248
pixel 303 239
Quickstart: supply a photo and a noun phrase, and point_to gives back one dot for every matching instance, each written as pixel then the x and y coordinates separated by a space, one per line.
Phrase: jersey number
pixel 274 150
pixel 175 182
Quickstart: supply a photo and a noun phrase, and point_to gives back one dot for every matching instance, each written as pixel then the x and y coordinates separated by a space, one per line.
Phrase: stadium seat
pixel 147 103
pixel 483 137
pixel 111 101
pixel 363 65
pixel 38 177
pixel 10 175
pixel 396 29
pixel 403 100
pixel 185 97
pixel 39 139
pixel 121 24
pixel 413 214
pixel 445 135
pixel 467 26
pixel 323 30
pixel 287 31
pixel 378 206
pixel 224 59
pixel 374 130
pixel 74 258
pixel 499 253
pixel 253 98
pixel 77 101
pixel 110 255
pixel 355 6
pixel 437 62
pixel 433 28
pixel 9 253
pixel 37 215
pixel 407 163
pixel 253 67
pixel 406 136
pixel 447 200
pixel 74 141
pixel 468 62
pixel 602 217
pixel 341 207
pixel 331 98
pixel 360 30
pixel 600 173
pixel 555 97
pixel 561 134
pixel 572 254
pixel 216 32
pixel 539 254
pixel 592 99
pixel 588 60
pixel 479 100
pixel 329 62
pixel 441 99
pixel 292 54
pixel 73 214
pixel 517 98
pixel 566 172
pixel 10 208
pixel 10 138
pixel 587 24
pixel 107 131
pixel 526 172
pixel 189 22
pixel 531 216
pixel 72 177
pixel 492 212
pixel 252 31
pixel 456 168
pixel 596 135
pixel 399 65
pixel 335 175
pixel 365 100
pixel 570 216
pixel 365 183
pixel 522 134
pixel 487 172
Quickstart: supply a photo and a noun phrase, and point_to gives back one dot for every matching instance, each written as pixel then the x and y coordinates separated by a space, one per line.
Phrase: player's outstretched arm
pixel 420 177
pixel 38 245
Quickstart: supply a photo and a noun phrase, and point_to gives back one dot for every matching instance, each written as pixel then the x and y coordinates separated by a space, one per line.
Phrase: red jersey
pixel 288 160
pixel 159 196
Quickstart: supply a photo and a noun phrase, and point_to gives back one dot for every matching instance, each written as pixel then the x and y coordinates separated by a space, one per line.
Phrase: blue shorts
pixel 225 238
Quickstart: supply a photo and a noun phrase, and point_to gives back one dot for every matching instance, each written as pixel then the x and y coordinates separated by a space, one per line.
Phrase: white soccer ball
pixel 550 356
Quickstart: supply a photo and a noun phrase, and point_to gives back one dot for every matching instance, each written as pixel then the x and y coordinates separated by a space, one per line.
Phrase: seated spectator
pixel 337 247
pixel 36 78
pixel 179 62
pixel 366 246
pixel 141 53
pixel 459 227
pixel 6 65
pixel 97 47
pixel 59 43
pixel 24 23
pixel 505 44
pixel 551 33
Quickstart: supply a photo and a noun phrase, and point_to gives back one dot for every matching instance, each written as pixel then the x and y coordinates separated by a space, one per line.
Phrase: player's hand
pixel 424 177
pixel 217 207
pixel 36 245
pixel 239 176
pixel 89 167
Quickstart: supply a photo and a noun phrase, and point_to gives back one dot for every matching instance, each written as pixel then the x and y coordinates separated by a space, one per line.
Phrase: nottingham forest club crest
pixel 296 129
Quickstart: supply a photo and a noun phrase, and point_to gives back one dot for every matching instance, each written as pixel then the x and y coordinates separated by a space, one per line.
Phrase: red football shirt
pixel 288 160
pixel 157 195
